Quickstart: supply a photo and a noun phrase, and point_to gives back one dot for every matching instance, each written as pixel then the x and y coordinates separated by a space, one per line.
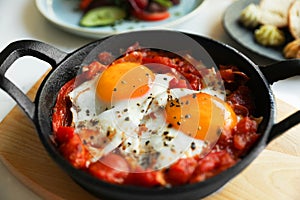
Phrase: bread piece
pixel 292 49
pixel 294 19
pixel 275 12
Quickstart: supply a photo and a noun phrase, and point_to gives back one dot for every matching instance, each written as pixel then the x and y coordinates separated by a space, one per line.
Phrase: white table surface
pixel 20 19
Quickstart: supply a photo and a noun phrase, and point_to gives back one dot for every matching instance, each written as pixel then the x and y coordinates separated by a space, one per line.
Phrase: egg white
pixel 135 127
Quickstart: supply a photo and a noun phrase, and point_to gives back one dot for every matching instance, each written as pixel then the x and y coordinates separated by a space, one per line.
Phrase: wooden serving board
pixel 275 174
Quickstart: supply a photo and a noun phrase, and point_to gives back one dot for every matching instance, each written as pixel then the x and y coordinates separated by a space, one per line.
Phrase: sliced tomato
pixel 144 15
pixel 147 16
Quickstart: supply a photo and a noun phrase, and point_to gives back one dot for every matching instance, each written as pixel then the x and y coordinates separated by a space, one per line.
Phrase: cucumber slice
pixel 102 16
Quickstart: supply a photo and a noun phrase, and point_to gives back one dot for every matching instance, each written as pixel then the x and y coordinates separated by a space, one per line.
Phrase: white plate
pixel 65 14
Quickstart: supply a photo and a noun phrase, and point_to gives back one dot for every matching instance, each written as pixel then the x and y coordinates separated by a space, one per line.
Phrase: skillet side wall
pixel 220 53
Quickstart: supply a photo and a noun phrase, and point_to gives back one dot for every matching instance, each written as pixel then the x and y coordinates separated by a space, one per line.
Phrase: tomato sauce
pixel 231 146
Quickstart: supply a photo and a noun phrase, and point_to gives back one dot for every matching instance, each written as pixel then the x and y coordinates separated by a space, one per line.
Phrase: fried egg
pixel 131 110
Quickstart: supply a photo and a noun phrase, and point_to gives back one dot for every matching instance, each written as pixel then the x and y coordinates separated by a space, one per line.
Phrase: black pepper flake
pixel 94 122
pixel 87 112
pixel 107 133
pixel 91 137
pixel 115 89
pixel 219 131
pixel 193 146
pixel 142 111
pixel 81 124
pixel 138 104
pixel 206 143
pixel 165 79
pixel 147 142
pixel 134 151
pixel 129 143
pixel 165 144
pixel 166 132
pixel 194 96
pixel 187 116
pixel 125 110
pixel 178 123
pixel 126 118
pixel 169 138
pixel 170 125
pixel 187 102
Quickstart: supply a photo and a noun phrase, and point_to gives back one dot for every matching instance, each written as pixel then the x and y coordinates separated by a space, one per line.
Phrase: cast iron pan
pixel 65 67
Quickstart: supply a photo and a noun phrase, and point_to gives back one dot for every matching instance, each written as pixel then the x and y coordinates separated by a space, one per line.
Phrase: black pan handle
pixel 21 48
pixel 276 72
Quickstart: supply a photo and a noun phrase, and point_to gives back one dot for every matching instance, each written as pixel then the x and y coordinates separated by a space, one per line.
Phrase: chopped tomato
pixel 180 172
pixel 227 75
pixel 212 164
pixel 90 71
pixel 146 178
pixel 61 115
pixel 112 168
pixel 242 96
pixel 64 134
pixel 84 4
pixel 175 83
pixel 105 58
pixel 245 134
pixel 75 152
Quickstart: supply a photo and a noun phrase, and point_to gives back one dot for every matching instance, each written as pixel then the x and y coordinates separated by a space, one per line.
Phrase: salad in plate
pixel 110 12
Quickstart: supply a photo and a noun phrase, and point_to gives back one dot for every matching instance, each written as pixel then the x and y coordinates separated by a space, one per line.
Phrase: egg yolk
pixel 200 115
pixel 124 81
